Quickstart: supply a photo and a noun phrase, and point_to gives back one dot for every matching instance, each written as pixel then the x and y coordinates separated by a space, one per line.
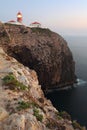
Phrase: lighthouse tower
pixel 19 17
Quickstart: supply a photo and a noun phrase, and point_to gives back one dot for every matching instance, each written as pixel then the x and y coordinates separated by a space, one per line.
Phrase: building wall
pixel 35 25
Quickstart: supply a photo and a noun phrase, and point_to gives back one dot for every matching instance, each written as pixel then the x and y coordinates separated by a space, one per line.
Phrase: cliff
pixel 22 102
pixel 42 50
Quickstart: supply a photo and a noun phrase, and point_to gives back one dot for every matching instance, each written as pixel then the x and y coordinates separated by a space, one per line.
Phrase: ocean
pixel 74 101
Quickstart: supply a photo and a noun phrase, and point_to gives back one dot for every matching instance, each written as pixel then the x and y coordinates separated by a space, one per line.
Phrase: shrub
pixel 76 125
pixel 38 116
pixel 23 105
pixel 65 115
pixel 21 86
pixel 13 83
pixel 58 116
pixel 8 79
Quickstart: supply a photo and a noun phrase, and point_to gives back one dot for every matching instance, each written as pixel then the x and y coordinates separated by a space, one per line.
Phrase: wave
pixel 81 82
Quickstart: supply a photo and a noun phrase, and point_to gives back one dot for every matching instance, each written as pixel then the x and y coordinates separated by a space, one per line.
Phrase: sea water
pixel 74 101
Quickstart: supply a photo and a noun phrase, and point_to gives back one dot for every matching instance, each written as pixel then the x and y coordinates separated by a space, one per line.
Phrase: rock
pixel 3 114
pixel 22 122
pixel 42 50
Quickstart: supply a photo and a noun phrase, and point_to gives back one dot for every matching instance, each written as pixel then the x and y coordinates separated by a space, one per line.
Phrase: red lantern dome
pixel 19 17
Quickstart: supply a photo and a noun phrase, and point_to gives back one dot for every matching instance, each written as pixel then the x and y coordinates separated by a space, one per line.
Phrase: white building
pixel 14 22
pixel 35 25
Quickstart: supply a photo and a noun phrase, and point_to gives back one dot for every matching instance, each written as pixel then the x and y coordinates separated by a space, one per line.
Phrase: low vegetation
pixel 33 104
pixel 38 115
pixel 11 81
pixel 41 31
pixel 23 105
pixel 64 115
pixel 76 125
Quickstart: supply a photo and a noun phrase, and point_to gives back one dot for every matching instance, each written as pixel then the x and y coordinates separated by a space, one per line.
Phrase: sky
pixel 66 17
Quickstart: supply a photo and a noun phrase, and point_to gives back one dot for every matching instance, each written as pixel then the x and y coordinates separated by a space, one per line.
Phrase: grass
pixel 11 81
pixel 38 115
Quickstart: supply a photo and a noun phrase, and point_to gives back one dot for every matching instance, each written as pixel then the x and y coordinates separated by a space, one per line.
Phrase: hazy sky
pixel 62 16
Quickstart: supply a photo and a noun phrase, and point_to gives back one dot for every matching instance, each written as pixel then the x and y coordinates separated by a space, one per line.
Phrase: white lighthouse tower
pixel 19 17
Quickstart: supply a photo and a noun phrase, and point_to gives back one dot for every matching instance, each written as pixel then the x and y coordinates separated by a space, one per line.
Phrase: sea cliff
pixel 23 105
pixel 42 50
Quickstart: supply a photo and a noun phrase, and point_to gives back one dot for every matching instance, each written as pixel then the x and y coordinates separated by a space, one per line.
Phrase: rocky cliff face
pixel 22 102
pixel 42 50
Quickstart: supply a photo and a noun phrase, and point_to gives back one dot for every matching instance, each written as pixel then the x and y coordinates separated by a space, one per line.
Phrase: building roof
pixel 12 21
pixel 35 23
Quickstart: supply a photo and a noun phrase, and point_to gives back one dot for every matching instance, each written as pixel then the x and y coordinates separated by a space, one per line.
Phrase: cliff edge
pixel 22 102
pixel 42 50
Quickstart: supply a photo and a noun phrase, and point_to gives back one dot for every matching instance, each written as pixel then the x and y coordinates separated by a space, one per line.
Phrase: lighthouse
pixel 19 17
